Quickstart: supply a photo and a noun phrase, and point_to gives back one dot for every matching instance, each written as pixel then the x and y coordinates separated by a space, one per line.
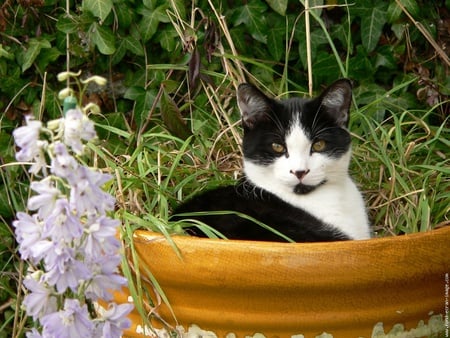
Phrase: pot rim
pixel 148 235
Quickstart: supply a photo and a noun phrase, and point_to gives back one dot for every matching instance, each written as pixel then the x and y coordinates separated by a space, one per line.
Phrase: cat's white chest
pixel 337 203
pixel 340 205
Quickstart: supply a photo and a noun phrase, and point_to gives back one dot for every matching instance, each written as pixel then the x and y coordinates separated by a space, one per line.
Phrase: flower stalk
pixel 68 237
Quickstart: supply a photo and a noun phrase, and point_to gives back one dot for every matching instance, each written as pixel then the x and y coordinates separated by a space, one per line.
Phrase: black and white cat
pixel 296 157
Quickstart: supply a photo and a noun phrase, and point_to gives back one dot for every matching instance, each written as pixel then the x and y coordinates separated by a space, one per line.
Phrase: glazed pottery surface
pixel 281 289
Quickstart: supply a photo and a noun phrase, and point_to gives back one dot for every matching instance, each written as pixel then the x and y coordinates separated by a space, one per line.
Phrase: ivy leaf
pixel 394 12
pixel 100 8
pixel 150 21
pixel 318 38
pixel 143 102
pixel 125 14
pixel 66 25
pixel 385 58
pixel 325 68
pixel 133 45
pixel 278 6
pixel 180 6
pixel 47 56
pixel 251 15
pixel 34 49
pixel 167 39
pixel 371 95
pixel 276 36
pixel 412 7
pixel 103 38
pixel 362 68
pixel 372 26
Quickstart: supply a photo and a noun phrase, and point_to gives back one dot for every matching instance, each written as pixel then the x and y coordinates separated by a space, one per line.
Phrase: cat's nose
pixel 300 174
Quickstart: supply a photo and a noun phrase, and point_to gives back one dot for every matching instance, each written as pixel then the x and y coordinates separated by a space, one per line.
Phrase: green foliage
pixel 169 125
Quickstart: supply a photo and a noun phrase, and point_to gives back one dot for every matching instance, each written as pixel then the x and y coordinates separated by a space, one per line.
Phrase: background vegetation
pixel 169 125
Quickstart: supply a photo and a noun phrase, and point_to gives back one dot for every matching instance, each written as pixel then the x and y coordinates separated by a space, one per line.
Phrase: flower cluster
pixel 69 239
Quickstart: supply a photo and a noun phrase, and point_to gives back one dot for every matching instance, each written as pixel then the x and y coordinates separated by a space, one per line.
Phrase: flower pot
pixel 281 289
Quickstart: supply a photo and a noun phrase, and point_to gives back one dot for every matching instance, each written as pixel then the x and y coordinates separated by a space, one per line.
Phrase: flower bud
pixel 63 76
pixel 65 93
pixel 92 108
pixel 99 80
pixel 54 124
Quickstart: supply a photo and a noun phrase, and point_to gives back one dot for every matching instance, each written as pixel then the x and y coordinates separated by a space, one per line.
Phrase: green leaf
pixel 276 37
pixel 34 48
pixel 372 26
pixel 5 54
pixel 150 21
pixel 394 12
pixel 361 65
pixel 47 56
pixel 134 93
pixel 180 6
pixel 318 38
pixel 120 52
pixel 52 104
pixel 278 6
pixel 385 58
pixel 167 39
pixel 125 14
pixel 100 8
pixel 412 7
pixel 66 25
pixel 398 29
pixel 103 38
pixel 325 68
pixel 251 14
pixel 143 102
pixel 133 45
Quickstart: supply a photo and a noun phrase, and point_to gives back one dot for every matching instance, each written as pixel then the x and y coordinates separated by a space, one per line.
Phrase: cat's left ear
pixel 253 104
pixel 336 99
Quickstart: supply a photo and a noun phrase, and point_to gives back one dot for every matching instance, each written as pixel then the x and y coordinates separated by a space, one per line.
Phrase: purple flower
pixel 116 320
pixel 28 233
pixel 31 148
pixel 105 277
pixel 77 127
pixel 45 201
pixel 101 237
pixel 63 164
pixel 62 224
pixel 86 194
pixel 39 160
pixel 72 321
pixel 40 249
pixel 26 138
pixel 41 300
pixel 34 333
pixel 63 268
pixel 69 235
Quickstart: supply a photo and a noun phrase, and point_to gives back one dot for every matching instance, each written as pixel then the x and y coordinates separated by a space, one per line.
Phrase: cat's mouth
pixel 303 189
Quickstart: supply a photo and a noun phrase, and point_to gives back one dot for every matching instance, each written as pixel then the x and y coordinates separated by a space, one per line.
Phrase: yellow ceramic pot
pixel 280 289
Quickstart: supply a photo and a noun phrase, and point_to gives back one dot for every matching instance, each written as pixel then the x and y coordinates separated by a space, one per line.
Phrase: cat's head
pixel 297 144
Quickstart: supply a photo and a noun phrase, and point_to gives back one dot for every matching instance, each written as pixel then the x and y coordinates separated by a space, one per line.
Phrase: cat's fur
pixel 296 157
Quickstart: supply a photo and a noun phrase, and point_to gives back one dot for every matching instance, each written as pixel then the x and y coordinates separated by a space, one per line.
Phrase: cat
pixel 296 154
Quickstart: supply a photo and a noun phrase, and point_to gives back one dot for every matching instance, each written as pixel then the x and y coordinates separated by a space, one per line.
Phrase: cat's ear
pixel 336 100
pixel 253 104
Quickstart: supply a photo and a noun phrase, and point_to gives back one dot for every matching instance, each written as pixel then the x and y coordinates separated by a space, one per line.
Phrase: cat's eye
pixel 319 146
pixel 278 148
